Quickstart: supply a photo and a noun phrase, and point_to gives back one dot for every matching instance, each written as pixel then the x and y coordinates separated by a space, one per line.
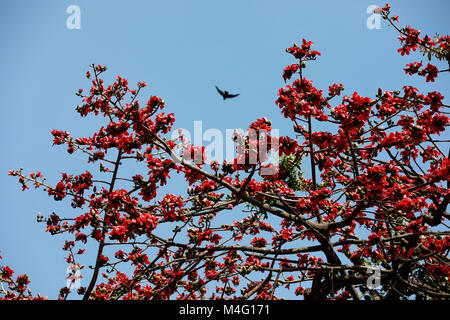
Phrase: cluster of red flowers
pixel 17 286
pixel 303 52
pixel 378 166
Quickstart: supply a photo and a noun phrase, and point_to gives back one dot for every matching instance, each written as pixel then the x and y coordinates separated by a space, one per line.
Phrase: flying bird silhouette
pixel 226 94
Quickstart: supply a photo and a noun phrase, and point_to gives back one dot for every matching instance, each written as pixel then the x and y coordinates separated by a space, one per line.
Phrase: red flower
pixel 258 242
pixel 431 72
pixel 22 282
pixel 7 272
pixel 289 71
pixel 413 67
pixel 336 89
pixel 303 52
pixel 103 260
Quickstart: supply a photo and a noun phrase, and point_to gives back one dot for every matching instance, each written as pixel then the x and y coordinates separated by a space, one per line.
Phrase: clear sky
pixel 181 49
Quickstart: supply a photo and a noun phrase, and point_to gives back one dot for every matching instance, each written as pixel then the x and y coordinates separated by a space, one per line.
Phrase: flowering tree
pixel 367 220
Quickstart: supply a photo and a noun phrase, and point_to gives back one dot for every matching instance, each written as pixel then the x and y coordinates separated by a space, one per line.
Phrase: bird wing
pixel 220 91
pixel 232 95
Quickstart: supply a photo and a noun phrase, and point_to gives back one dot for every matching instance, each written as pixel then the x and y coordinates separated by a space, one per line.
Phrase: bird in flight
pixel 226 94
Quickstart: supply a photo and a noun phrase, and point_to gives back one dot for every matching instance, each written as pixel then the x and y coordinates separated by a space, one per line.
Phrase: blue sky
pixel 181 49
